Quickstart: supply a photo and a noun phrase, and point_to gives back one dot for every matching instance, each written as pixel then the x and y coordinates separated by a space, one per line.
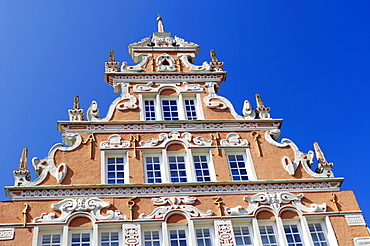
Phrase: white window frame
pixel 110 230
pixel 275 229
pixel 244 223
pixel 80 230
pixel 249 166
pixel 161 163
pixel 104 163
pixel 179 226
pixel 154 105
pixel 296 222
pixel 152 227
pixel 326 227
pixel 186 162
pixel 201 152
pixel 180 101
pixel 210 229
pixel 50 230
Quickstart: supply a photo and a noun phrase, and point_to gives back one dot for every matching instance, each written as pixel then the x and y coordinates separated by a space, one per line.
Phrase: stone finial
pixel 76 113
pixel 324 166
pixel 160 24
pixel 23 161
pixel 76 102
pixel 215 65
pixel 111 56
pixel 22 175
pixel 213 56
pixel 263 112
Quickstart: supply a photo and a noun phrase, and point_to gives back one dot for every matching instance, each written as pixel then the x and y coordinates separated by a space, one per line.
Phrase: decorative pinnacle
pixel 213 56
pixel 160 24
pixel 76 103
pixel 111 56
pixel 23 161
pixel 259 101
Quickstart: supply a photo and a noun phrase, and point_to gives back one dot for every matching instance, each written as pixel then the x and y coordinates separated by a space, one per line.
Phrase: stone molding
pixel 180 203
pixel 185 138
pixel 69 206
pixel 169 127
pixel 275 200
pixel 193 189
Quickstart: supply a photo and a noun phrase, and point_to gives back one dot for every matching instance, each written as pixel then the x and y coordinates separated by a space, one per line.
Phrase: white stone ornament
pixel 355 219
pixel 6 233
pixel 180 203
pixel 186 138
pixel 233 139
pixel 165 62
pixel 143 61
pixel 69 206
pixel 115 142
pixel 47 165
pixel 305 159
pixel 275 200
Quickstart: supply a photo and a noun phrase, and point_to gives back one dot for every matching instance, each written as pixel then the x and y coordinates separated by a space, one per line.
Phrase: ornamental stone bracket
pixel 47 165
pixel 180 203
pixel 148 87
pixel 143 61
pixel 233 139
pixel 275 201
pixel 68 207
pixel 187 57
pixel 185 137
pixel 115 142
pixel 324 169
pixel 361 241
pixel 128 101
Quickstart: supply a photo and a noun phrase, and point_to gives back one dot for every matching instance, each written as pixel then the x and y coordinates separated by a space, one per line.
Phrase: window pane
pixel 237 167
pixel 177 169
pixel 149 109
pixel 201 168
pixel 292 235
pixel 170 112
pixel 267 236
pixel 318 234
pixel 242 236
pixel 190 110
pixel 115 170
pixel 153 171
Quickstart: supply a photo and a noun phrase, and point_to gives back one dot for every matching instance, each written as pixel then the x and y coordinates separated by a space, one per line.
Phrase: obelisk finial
pixel 23 160
pixel 160 24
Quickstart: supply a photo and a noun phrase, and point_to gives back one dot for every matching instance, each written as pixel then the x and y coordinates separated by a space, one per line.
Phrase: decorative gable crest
pixel 115 142
pixel 180 203
pixel 275 201
pixel 69 206
pixel 166 63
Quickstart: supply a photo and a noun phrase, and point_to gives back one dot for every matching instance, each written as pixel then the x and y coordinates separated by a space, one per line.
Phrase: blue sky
pixel 309 60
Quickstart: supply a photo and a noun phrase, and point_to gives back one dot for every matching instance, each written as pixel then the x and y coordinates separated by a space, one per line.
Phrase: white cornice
pixel 184 189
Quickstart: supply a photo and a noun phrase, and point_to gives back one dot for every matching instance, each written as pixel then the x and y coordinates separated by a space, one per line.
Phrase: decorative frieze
pixel 131 235
pixel 275 201
pixel 180 203
pixel 57 193
pixel 233 139
pixel 149 88
pixel 68 206
pixel 169 127
pixel 6 233
pixel 166 77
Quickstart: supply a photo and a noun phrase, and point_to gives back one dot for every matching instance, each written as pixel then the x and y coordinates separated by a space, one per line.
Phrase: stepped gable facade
pixel 173 163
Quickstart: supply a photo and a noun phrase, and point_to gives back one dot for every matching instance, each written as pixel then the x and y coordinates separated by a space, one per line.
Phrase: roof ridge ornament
pixel 160 24
pixel 23 161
